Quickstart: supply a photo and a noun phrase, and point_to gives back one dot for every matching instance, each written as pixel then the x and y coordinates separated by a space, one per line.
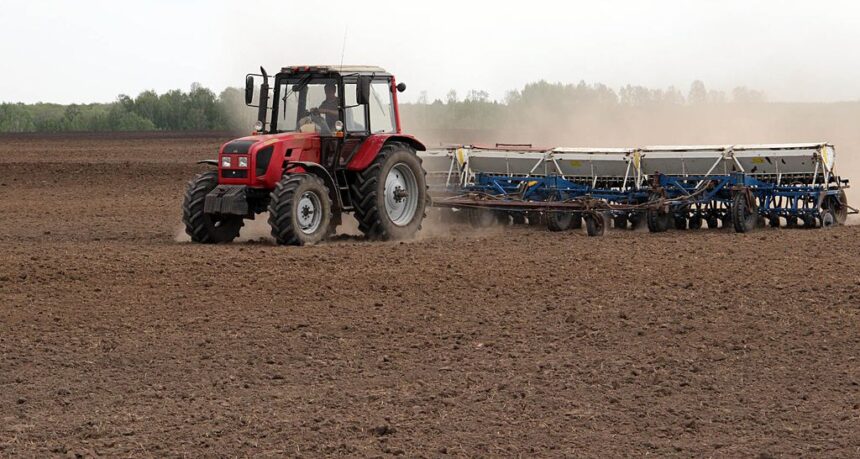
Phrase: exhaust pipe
pixel 264 99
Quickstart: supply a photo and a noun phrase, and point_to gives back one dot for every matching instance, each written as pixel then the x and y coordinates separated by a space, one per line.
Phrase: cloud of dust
pixel 258 230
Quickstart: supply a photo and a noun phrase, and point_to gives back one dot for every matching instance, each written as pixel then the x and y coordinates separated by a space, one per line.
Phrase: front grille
pixel 264 156
pixel 238 147
pixel 234 173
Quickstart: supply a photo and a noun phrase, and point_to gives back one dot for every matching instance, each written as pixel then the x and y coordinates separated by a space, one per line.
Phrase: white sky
pixel 91 50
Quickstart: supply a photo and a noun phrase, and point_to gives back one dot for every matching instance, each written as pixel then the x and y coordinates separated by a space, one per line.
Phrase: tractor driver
pixel 329 107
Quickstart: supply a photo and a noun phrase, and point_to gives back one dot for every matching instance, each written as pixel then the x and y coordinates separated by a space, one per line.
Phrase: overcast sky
pixel 90 51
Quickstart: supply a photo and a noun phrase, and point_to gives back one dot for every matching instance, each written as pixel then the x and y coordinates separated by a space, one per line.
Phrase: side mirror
pixel 362 92
pixel 401 87
pixel 249 89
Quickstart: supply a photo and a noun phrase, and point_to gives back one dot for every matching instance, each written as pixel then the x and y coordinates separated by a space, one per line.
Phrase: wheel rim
pixel 308 212
pixel 827 220
pixel 401 194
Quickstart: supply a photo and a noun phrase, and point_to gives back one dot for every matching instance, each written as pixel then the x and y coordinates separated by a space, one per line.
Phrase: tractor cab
pixel 344 105
pixel 314 99
pixel 331 134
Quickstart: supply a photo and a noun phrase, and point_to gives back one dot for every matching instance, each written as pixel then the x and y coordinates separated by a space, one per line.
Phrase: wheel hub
pixel 308 214
pixel 401 194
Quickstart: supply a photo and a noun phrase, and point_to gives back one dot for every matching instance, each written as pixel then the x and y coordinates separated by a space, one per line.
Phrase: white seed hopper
pixel 612 165
pixel 593 162
pixel 801 159
pixel 518 163
pixel 686 160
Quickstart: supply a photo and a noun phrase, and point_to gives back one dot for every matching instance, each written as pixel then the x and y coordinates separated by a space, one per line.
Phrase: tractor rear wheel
pixel 202 227
pixel 300 210
pixel 744 216
pixel 391 194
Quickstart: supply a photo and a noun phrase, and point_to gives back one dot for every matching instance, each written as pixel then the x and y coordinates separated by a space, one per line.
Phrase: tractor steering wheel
pixel 313 116
pixel 319 121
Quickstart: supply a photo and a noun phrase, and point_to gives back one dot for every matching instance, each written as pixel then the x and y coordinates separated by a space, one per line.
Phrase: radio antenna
pixel 343 48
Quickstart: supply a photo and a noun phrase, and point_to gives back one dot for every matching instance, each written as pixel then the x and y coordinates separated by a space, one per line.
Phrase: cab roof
pixel 342 69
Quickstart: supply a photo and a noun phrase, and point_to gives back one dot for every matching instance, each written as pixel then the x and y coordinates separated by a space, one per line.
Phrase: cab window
pixel 297 97
pixel 381 107
pixel 353 112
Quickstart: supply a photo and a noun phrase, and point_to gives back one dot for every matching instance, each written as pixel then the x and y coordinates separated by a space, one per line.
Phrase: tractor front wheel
pixel 300 210
pixel 391 194
pixel 202 227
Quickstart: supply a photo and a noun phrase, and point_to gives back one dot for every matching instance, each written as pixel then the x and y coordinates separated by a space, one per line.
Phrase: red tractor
pixel 327 141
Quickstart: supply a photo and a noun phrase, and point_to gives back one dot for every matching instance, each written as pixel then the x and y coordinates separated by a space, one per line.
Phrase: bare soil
pixel 117 340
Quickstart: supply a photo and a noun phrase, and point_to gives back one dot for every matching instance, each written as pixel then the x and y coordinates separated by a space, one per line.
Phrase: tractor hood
pixel 257 160
pixel 243 145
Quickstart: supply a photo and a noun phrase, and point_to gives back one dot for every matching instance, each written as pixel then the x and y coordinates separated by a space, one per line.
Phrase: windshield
pixel 307 104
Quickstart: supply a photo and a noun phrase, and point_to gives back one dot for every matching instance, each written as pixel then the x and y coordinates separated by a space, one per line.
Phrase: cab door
pixel 355 123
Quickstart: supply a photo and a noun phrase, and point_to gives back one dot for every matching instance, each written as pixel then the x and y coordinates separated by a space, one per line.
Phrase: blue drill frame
pixel 551 188
pixel 773 200
pixel 695 196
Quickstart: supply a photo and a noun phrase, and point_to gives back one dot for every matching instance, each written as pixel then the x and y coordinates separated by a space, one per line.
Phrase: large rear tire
pixel 202 227
pixel 391 194
pixel 300 210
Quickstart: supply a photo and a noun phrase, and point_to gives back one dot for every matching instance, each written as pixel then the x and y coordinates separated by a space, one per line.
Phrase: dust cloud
pixel 258 230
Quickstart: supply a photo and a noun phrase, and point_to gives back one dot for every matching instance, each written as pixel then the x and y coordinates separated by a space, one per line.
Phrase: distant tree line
pixel 196 110
pixel 200 109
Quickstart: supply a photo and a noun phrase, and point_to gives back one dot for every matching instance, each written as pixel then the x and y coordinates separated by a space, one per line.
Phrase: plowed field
pixel 119 338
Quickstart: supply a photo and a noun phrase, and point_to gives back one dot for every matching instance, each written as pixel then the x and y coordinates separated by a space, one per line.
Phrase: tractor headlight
pixel 225 161
pixel 243 161
pixel 258 126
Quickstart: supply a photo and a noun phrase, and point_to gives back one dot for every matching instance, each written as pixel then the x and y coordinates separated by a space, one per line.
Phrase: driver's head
pixel 330 89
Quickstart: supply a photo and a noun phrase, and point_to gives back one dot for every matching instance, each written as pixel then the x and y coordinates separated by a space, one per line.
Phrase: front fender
pixel 316 169
pixel 370 148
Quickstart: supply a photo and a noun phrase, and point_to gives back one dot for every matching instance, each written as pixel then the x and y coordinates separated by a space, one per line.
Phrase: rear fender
pixel 307 167
pixel 370 148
